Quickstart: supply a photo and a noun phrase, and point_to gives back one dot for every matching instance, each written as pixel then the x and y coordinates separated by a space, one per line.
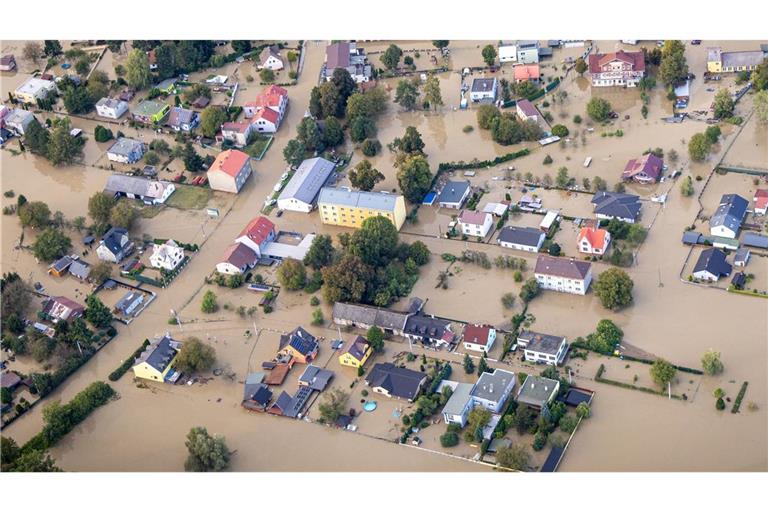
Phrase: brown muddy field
pixel 629 431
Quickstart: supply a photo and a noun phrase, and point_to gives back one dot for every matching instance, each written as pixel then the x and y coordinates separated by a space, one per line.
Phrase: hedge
pixel 739 397
pixel 584 346
pixel 451 166
pixel 445 372
pixel 128 363
pixel 599 378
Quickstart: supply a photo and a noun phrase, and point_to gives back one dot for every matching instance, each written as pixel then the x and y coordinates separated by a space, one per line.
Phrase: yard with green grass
pixel 188 197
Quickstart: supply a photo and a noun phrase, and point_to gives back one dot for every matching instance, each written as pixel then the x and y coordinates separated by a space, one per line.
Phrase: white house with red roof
pixel 644 170
pixel 257 234
pixel 237 132
pixel 267 111
pixel 761 201
pixel 237 259
pixel 479 338
pixel 229 171
pixel 475 223
pixel 623 69
pixel 593 240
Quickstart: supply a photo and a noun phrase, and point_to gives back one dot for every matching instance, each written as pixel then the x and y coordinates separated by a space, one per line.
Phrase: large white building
pixel 563 274
pixel 168 255
pixel 300 193
pixel 623 69
pixel 542 348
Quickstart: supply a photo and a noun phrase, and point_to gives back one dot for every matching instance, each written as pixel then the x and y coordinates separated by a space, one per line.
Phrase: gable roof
pixel 730 212
pixel 755 240
pixel 270 51
pixel 308 179
pixel 477 334
pixel 713 261
pixel 316 378
pixel 80 269
pixel 538 342
pixel 239 255
pixel 229 162
pixel 562 267
pixel 429 327
pixel 135 185
pixel 357 348
pixel 300 340
pixel 527 108
pixel 527 72
pixel 453 191
pixel 474 218
pixel 614 204
pixel 158 354
pixel 125 146
pixel 399 382
pixel 358 198
pixel 369 315
pixel 180 116
pixel 258 230
pixel 337 56
pixel 595 236
pixel 597 60
pixel 648 164
pixel 112 240
pixel 521 236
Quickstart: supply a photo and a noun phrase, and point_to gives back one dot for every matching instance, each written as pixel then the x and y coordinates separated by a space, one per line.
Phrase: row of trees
pixel 506 128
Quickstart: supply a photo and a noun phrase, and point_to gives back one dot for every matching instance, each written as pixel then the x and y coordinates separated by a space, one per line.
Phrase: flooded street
pixel 629 431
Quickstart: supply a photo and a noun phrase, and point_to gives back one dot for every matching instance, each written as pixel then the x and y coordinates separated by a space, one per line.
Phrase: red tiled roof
pixel 649 164
pixel 229 162
pixel 258 229
pixel 266 113
pixel 597 60
pixel 239 255
pixel 761 192
pixel 236 126
pixel 471 217
pixel 595 236
pixel 527 72
pixel 477 334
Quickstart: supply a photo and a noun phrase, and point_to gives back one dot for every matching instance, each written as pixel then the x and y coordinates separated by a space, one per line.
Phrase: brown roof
pixel 277 375
pixel 239 255
pixel 337 56
pixel 598 60
pixel 562 267
pixel 472 217
pixel 527 108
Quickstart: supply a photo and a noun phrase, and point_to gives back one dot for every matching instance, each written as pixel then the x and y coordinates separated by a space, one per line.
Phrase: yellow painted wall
pixel 145 371
pixel 353 217
pixel 348 359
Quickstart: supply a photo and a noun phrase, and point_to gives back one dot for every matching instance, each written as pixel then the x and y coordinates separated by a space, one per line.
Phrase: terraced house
pixel 349 208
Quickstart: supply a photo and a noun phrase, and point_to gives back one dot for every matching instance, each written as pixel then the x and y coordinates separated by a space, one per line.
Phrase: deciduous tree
pixel 195 356
pixel 206 453
pixel 614 288
pixel 364 176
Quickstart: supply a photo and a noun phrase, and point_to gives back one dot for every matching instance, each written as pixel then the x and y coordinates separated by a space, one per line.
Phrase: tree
pixel 375 337
pixel 562 178
pixel 63 148
pixel 209 304
pixel 375 242
pixel 581 66
pixel 346 280
pixel 192 161
pixel 333 405
pixel 482 366
pixel 414 177
pixel 294 152
pixel 102 134
pixel 662 372
pixel 673 67
pixel 211 119
pixel 52 48
pixel 712 133
pixel 554 249
pixel 419 252
pixel 206 453
pixel 760 77
pixel 291 274
pixel 308 133
pixel 151 158
pixel 165 60
pixel 333 133
pixel 410 142
pixel 568 423
pixel 761 106
pixel 33 461
pixel 195 356
pixel 723 105
pixel 32 51
pixel 486 115
pixel 241 46
pixel 469 365
pixel 36 138
pixel 698 147
pixel 513 457
pixel 598 109
pixel 83 66
pixel 364 176
pixel 320 253
pixel 77 100
pixel 51 245
pixel 345 85
pixel 137 69
pixel 35 214
pixel 100 206
pixel 583 411
pixel 370 147
pixel 449 439
pixel 100 272
pixel 489 54
pixel 371 103
pixel 529 290
pixel 560 130
pixel 123 214
pixel 711 362
pixel 391 56
pixel 432 93
pixel 440 44
pixel 267 75
pixel 16 298
pixel 614 288
pixel 361 128
pixel 686 187
pixel 407 94
pixel 97 313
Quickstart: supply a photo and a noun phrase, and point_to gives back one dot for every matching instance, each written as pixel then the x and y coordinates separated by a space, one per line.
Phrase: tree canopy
pixel 414 177
pixel 206 453
pixel 614 288
pixel 364 176
pixel 195 356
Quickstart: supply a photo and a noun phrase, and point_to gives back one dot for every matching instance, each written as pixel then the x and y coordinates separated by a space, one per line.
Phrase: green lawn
pixel 189 197
pixel 258 146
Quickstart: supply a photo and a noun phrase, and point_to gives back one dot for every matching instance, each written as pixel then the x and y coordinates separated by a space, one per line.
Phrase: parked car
pixel 696 42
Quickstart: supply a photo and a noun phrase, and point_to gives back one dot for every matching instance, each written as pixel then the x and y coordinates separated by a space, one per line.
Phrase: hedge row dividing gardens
pixel 739 397
pixel 128 363
pixel 61 419
pixel 478 164
pixel 599 378
pixel 584 346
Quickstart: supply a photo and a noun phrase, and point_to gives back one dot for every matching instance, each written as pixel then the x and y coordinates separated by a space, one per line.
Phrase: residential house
pixel 493 389
pixel 111 108
pixel 538 392
pixel 257 234
pixel 349 208
pixel 365 317
pixel 300 345
pixel 156 362
pixel 150 112
pixel 592 240
pixel 527 52
pixel 168 255
pixel 237 259
pixel 305 184
pixel 521 239
pixel 10 380
pixel 270 58
pixel 551 218
pixel 80 270
pixel 256 396
pixel 428 330
pixel 613 205
pixel 472 223
pixel 395 382
pixel 507 53
pixel 17 121
pixel 115 245
pixel 237 132
pixel 739 280
pixel 230 170
pixel 126 151
pixel 619 68
pixel 282 405
pixel 525 111
pixel 479 338
pixel 356 352
pixel 761 201
pixel 711 265
pixel 315 378
pixel 7 62
pixel 456 410
pixel 62 309
pixel 644 170
pixel 167 86
pixel 542 348
pixel 267 111
pixel 59 267
pixel 134 187
pixel 484 89
pixel 727 219
pixel 347 56
pixel 182 119
pixel 563 274
pixel 34 89
pixel 741 258
pixel 129 303
pixel 527 73
pixel 453 194
pixel 719 61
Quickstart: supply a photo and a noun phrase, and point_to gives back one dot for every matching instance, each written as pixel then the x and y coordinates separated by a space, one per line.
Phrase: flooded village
pixel 405 255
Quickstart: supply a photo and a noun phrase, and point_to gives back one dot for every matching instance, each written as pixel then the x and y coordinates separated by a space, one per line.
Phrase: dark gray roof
pixel 426 326
pixel 730 212
pixel 283 402
pixel 483 84
pixel 80 269
pixel 459 398
pixel 545 52
pixel 357 348
pixel 112 239
pixel 316 378
pixel 492 386
pixel 158 354
pixel 453 191
pixel 755 240
pixel 124 146
pixel 399 382
pixel 544 343
pixel 536 390
pixel 741 255
pixel 301 340
pixel 308 180
pixel 521 236
pixel 614 204
pixel 562 267
pixel 691 237
pixel 128 299
pixel 61 264
pixel 369 315
pixel 713 261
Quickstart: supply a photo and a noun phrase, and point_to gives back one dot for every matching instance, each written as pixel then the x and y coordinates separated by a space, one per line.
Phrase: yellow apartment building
pixel 349 208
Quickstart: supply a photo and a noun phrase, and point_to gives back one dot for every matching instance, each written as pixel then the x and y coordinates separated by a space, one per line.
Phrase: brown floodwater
pixel 628 430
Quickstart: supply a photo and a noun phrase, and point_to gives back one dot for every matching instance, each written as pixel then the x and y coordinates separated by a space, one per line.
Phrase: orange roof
pixel 595 236
pixel 270 97
pixel 527 72
pixel 258 229
pixel 266 113
pixel 229 162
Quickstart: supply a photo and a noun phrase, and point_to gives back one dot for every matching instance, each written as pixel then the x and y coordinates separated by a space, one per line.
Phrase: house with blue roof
pixel 711 265
pixel 730 213
pixel 453 194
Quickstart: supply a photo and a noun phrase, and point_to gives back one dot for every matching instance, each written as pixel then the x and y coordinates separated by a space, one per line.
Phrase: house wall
pixel 520 247
pixel 705 275
pixel 225 267
pixel 609 217
pixel 722 231
pixel 219 180
pixel 476 230
pixel 294 205
pixel 562 284
pixel 353 216
pixel 540 357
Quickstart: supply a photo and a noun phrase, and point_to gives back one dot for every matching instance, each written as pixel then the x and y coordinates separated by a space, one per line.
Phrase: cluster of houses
pixel 347 56
pixel 263 115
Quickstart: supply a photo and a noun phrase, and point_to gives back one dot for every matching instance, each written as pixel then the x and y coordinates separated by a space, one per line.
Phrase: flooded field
pixel 628 431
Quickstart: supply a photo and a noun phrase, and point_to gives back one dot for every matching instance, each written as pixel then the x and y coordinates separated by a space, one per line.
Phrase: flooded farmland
pixel 629 431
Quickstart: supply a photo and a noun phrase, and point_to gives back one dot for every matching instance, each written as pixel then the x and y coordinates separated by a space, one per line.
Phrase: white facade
pixel 508 53
pixel 601 216
pixel 585 246
pixel 706 275
pixel 226 267
pixel 273 63
pixel 481 230
pixel 295 205
pixel 111 109
pixel 521 247
pixel 482 348
pixel 564 284
pixel 167 256
pixel 723 231
pixel 18 120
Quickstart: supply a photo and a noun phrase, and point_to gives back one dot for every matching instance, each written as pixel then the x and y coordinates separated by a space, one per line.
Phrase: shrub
pixel 449 439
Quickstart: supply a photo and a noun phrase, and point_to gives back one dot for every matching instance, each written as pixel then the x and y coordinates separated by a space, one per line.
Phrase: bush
pixel 449 439
pixel 560 130
pixel 128 363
